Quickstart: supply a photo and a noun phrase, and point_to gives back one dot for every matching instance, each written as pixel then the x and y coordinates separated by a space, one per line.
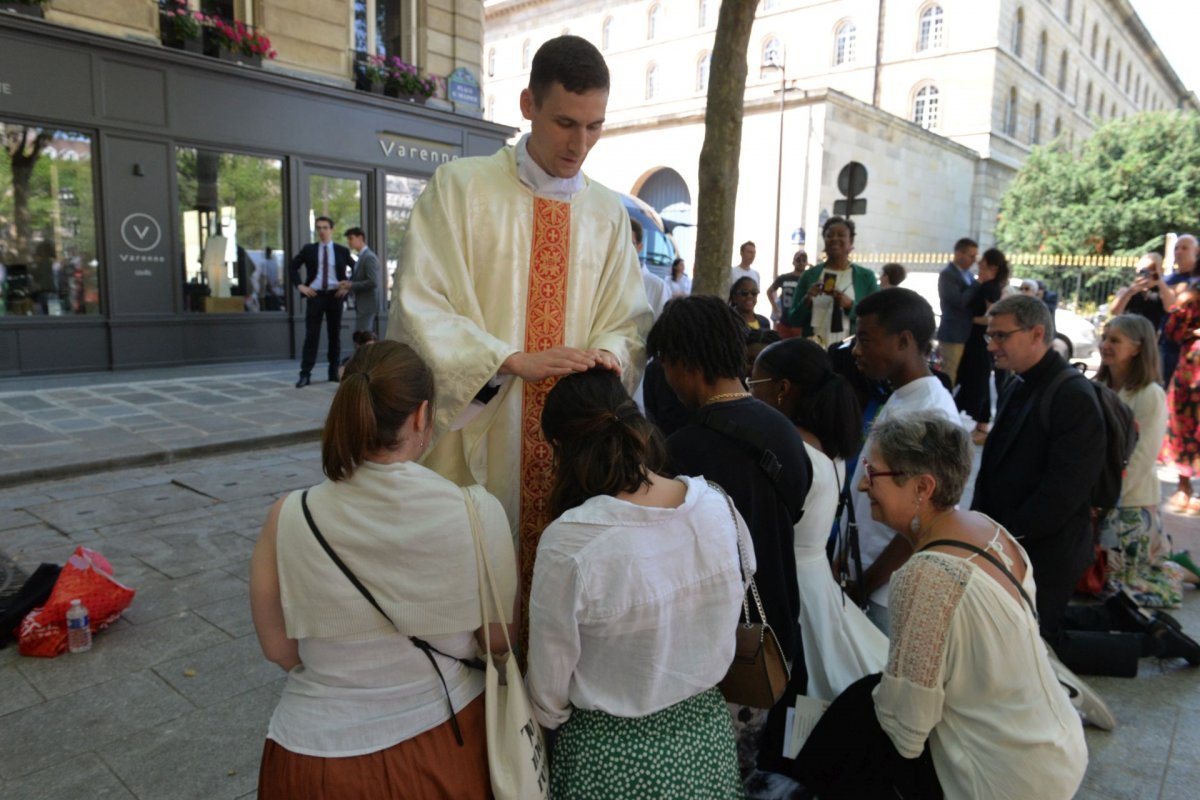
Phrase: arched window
pixel 1063 68
pixel 1137 87
pixel 652 20
pixel 772 55
pixel 702 64
pixel 1057 127
pixel 1087 103
pixel 606 34
pixel 1035 125
pixel 1095 38
pixel 491 64
pixel 1128 75
pixel 929 36
pixel 1100 107
pixel 525 54
pixel 1067 12
pixel 926 107
pixel 1117 73
pixel 651 82
pixel 843 44
pixel 1040 61
pixel 1010 112
pixel 1018 32
pixel 702 13
pixel 1107 50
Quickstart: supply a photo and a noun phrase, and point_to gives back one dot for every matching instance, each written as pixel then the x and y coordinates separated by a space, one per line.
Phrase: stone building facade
pixel 941 101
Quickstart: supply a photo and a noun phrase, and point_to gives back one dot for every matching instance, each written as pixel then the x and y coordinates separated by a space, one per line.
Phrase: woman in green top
pixel 824 303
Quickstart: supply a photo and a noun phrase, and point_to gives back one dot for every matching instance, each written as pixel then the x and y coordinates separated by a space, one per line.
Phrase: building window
pixel 930 28
pixel 652 20
pixel 1067 11
pixel 1010 113
pixel 1128 75
pixel 1018 32
pixel 491 63
pixel 1117 73
pixel 606 34
pixel 1087 102
pixel 772 55
pixel 770 5
pixel 48 260
pixel 491 108
pixel 526 49
pixel 1095 38
pixel 926 110
pixel 702 13
pixel 231 228
pixel 1040 61
pixel 1107 49
pixel 379 25
pixel 1112 112
pixel 844 41
pixel 651 82
pixel 1100 107
pixel 1063 68
pixel 702 65
pixel 1057 127
pixel 1137 87
pixel 1035 125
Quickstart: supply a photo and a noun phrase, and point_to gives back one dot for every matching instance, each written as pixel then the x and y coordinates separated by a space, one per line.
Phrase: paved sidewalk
pixel 57 426
pixel 173 700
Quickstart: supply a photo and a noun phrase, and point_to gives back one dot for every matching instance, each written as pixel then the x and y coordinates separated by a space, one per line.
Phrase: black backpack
pixel 1121 436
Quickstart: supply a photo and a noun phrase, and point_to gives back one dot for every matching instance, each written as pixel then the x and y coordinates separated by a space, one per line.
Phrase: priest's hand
pixel 552 363
pixel 606 360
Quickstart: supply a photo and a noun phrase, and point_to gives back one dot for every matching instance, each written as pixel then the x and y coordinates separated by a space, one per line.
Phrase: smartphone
pixel 830 283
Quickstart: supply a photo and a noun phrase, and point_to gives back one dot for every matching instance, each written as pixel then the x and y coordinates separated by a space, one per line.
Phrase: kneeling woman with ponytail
pixel 378 702
pixel 633 609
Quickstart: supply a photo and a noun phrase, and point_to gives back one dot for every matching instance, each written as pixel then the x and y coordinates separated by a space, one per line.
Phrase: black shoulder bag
pixel 422 645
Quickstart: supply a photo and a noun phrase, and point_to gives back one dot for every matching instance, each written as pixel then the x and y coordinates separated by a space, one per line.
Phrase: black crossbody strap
pixel 994 561
pixel 422 645
pixel 849 554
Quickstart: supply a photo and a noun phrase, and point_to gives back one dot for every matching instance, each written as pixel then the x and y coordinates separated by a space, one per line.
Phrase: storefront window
pixel 231 226
pixel 48 263
pixel 402 193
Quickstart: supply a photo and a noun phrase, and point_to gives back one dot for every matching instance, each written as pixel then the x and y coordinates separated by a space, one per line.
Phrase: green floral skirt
pixel 1137 552
pixel 685 752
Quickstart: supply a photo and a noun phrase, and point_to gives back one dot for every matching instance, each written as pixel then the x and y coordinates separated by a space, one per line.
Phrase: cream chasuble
pixel 488 269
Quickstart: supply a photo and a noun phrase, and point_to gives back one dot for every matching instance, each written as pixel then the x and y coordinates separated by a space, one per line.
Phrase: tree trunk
pixel 23 156
pixel 722 147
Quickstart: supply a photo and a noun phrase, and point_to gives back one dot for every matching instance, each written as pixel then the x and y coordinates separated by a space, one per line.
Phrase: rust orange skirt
pixel 427 767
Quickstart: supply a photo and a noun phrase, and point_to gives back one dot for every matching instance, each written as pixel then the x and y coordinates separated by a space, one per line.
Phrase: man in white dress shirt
pixel 742 269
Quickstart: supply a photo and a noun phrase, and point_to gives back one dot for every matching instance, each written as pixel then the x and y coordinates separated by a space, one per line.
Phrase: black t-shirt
pixel 1149 305
pixel 770 513
pixel 786 286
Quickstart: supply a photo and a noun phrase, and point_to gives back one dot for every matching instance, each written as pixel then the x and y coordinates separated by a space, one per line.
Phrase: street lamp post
pixel 777 60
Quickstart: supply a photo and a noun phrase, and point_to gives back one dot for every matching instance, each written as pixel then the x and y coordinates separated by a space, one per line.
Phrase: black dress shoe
pixel 304 381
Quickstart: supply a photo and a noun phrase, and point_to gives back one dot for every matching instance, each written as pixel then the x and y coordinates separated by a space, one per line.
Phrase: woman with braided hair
pixel 633 608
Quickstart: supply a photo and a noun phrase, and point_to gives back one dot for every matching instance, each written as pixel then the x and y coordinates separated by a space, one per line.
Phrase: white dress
pixel 840 644
pixel 968 671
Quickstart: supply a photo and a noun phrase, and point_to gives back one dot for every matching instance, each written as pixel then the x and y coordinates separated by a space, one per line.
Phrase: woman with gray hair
pixel 968 705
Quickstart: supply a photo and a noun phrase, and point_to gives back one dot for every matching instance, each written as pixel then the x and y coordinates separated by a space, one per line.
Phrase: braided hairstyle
pixel 700 333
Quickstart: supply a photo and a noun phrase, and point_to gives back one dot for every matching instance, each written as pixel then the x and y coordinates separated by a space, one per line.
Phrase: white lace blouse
pixel 967 670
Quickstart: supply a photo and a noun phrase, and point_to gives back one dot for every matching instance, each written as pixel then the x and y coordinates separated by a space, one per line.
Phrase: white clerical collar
pixel 542 182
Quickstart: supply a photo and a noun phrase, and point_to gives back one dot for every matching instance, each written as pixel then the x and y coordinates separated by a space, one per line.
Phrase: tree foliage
pixel 1119 193
pixel 722 146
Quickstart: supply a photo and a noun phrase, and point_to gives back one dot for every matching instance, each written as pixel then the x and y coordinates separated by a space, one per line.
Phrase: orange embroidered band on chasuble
pixel 545 327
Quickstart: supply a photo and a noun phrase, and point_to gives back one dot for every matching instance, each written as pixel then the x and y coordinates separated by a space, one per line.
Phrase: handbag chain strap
pixel 737 537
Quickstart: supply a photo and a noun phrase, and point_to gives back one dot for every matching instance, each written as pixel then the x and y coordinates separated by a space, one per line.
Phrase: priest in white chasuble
pixel 517 269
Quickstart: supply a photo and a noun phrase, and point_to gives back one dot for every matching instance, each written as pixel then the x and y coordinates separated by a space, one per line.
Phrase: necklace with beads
pixel 720 398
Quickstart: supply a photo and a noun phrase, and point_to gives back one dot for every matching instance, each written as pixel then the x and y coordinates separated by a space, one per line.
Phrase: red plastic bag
pixel 87 576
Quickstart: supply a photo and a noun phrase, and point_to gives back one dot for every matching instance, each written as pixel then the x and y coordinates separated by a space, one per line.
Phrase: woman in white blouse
pixel 377 706
pixel 679 283
pixel 635 599
pixel 968 705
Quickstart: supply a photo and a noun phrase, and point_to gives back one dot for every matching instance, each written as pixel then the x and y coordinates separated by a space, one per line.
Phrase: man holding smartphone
pixel 1148 295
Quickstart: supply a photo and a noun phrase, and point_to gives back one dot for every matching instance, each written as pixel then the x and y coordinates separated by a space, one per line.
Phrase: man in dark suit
pixel 364 281
pixel 956 288
pixel 326 266
pixel 1036 479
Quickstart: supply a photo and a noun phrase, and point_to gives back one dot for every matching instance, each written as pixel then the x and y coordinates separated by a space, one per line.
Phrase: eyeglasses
pixel 747 293
pixel 1000 337
pixel 752 382
pixel 872 473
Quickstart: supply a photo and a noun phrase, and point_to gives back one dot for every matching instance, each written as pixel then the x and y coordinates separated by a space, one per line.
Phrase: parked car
pixel 658 251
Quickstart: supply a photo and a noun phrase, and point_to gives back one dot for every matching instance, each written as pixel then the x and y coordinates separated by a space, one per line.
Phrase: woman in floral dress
pixel 1183 399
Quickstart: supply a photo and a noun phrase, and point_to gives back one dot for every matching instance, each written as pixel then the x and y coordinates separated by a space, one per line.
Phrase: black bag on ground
pixel 33 593
pixel 1121 436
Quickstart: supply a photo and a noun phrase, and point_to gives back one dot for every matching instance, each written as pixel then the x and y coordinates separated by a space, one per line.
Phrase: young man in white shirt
pixel 894 331
pixel 742 268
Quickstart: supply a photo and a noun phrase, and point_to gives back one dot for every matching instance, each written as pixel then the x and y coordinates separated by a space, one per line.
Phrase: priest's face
pixel 564 127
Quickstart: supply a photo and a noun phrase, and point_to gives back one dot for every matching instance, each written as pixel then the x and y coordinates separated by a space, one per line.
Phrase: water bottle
pixel 79 629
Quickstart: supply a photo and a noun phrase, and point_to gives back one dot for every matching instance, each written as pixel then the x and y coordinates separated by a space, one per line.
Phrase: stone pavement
pixel 75 424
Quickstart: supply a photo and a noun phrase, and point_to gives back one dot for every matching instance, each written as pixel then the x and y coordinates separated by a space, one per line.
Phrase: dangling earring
pixel 915 525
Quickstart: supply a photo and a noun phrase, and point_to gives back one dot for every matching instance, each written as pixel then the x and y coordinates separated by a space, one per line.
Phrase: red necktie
pixel 324 267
